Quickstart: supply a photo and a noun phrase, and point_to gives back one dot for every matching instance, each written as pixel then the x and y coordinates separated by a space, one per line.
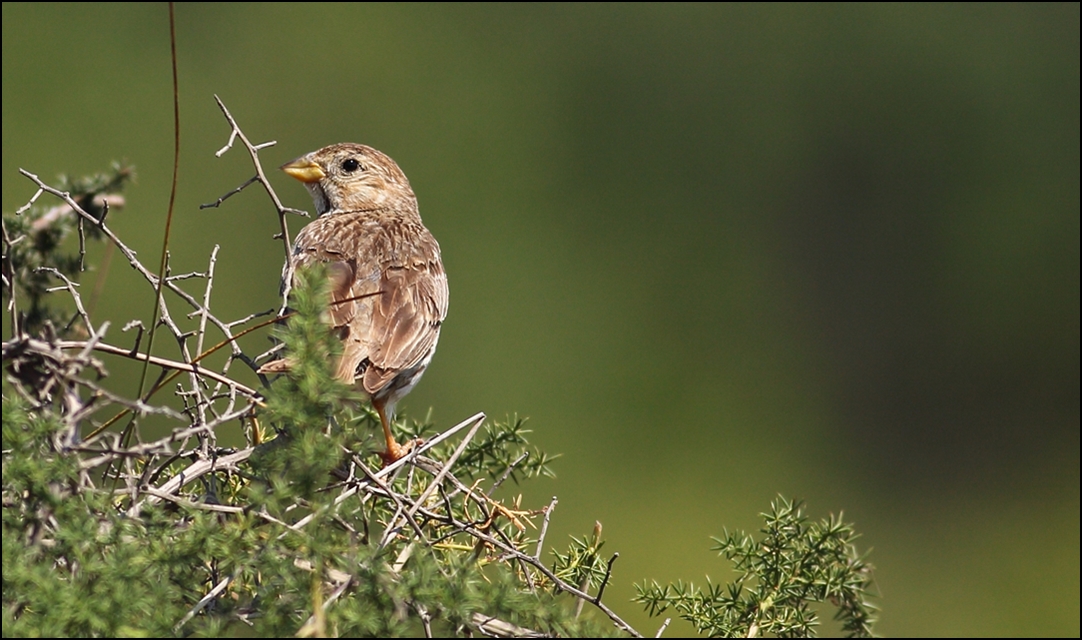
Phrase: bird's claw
pixel 396 452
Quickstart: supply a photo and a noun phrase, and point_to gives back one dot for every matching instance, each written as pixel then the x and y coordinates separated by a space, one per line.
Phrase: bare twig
pixel 71 288
pixel 203 602
pixel 544 528
pixel 497 628
pixel 605 581
pixel 447 466
pixel 260 176
pixel 166 234
pixel 507 472
pixel 412 510
pixel 161 362
pixel 129 254
pixel 193 472
pixel 391 468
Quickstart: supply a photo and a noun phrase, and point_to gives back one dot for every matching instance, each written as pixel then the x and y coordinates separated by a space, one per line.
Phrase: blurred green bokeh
pixel 714 252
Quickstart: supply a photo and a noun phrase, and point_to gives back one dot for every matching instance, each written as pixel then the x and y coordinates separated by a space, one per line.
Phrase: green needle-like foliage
pixel 301 533
pixel 34 245
pixel 795 565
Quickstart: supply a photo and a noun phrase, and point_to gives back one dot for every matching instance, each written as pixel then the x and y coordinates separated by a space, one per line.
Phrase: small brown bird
pixel 388 287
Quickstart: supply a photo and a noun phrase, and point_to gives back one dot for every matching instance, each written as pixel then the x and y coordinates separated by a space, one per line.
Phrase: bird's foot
pixel 396 452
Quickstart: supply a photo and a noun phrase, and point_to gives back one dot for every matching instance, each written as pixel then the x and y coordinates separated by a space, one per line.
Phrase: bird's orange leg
pixel 395 451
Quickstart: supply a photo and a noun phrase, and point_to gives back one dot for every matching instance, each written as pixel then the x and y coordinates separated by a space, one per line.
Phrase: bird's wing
pixel 408 312
pixel 340 242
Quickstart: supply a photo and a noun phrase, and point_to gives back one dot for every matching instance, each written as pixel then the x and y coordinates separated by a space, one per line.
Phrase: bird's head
pixel 352 177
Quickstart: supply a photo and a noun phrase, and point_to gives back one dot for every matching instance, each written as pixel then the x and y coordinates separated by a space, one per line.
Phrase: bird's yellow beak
pixel 304 170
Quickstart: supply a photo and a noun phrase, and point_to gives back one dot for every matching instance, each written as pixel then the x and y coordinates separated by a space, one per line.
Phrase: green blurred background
pixel 714 252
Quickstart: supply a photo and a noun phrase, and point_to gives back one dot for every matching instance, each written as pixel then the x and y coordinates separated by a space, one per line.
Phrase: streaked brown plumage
pixel 371 236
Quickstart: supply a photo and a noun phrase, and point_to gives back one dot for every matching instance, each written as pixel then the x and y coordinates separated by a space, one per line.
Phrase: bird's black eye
pixel 349 165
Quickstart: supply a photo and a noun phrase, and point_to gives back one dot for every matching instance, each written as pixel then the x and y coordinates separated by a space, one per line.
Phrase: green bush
pixel 112 529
